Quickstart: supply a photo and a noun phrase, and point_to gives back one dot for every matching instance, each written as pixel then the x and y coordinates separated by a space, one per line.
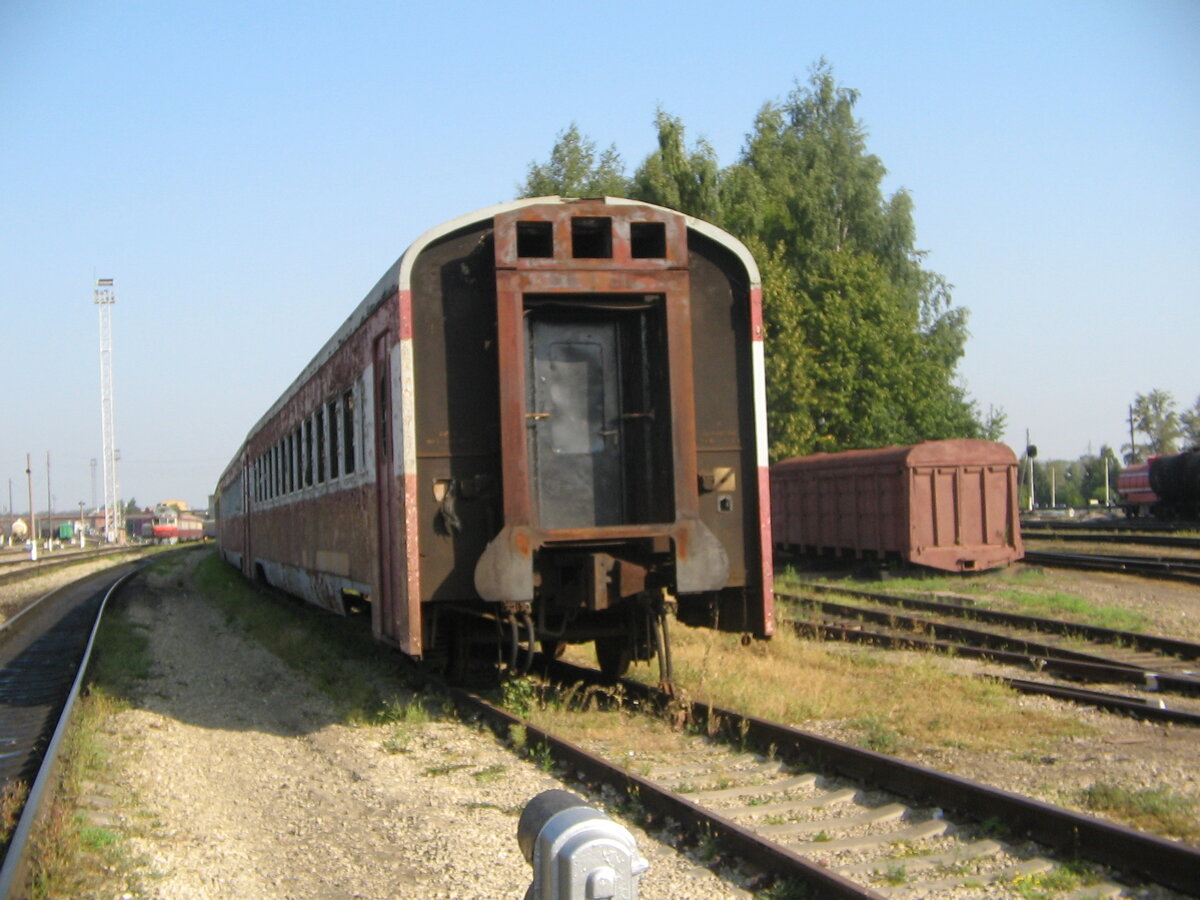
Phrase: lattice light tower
pixel 104 297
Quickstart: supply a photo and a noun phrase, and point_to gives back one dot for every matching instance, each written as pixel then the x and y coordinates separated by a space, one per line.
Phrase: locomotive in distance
pixel 949 505
pixel 544 425
pixel 1165 487
pixel 170 525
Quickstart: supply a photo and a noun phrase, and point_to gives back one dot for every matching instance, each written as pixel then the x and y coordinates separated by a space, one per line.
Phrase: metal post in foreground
pixel 577 853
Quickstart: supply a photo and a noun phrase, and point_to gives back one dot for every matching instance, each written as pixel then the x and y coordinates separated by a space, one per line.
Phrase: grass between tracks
pixel 1027 591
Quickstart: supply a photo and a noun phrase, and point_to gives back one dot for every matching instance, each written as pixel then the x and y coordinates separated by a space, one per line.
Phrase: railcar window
pixel 333 439
pixel 591 237
pixel 319 418
pixel 298 437
pixel 348 442
pixel 647 240
pixel 308 453
pixel 535 239
pixel 288 447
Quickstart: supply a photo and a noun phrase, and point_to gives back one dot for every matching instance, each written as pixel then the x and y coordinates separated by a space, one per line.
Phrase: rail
pixel 45 760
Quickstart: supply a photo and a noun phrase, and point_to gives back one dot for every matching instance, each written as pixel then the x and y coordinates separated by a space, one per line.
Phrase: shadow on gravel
pixel 192 640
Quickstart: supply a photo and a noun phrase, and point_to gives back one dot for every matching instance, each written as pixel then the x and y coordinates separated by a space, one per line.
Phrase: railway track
pixel 1177 568
pixel 14 570
pixel 1176 541
pixel 1080 653
pixel 844 822
pixel 43 654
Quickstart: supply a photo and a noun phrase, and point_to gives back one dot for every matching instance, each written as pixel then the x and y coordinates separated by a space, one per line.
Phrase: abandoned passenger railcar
pixel 544 424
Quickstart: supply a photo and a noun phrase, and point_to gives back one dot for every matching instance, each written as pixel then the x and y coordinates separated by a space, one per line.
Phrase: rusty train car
pixel 949 505
pixel 545 424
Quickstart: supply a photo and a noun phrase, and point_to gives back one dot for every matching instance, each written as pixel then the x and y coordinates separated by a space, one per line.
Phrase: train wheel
pixel 613 654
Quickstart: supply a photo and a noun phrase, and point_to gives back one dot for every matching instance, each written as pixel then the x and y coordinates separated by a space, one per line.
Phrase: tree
pixel 862 342
pixel 675 178
pixel 1190 420
pixel 131 507
pixel 574 170
pixel 1154 416
pixel 878 333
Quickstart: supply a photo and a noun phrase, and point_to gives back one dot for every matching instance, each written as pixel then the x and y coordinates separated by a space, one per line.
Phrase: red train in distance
pixel 949 505
pixel 172 526
pixel 545 424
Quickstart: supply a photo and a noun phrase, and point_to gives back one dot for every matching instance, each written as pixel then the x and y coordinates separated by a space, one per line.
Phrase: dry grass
pixel 886 701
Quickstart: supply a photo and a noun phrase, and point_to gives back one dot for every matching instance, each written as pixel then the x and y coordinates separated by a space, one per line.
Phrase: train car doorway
pixel 598 410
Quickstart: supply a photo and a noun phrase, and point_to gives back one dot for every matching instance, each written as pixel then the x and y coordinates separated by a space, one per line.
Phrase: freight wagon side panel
pixel 962 517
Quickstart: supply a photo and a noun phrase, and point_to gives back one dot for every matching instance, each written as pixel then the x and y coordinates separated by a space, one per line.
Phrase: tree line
pixel 862 340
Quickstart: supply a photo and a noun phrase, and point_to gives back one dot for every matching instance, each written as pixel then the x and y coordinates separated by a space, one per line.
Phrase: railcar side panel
pixel 945 504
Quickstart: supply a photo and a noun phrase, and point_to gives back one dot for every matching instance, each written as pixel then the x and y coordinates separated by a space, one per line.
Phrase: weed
pixel 784 889
pixel 543 757
pixel 96 839
pixel 491 773
pixel 895 874
pixel 12 801
pixel 517 736
pixel 519 695
pixel 878 734
pixel 1157 809
pixel 445 769
pixel 993 827
pixel 1044 885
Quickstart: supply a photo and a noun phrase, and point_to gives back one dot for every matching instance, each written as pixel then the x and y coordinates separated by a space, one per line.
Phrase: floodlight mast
pixel 104 296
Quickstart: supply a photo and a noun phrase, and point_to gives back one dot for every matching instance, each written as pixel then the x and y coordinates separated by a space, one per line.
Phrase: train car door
pixel 573 408
pixel 385 602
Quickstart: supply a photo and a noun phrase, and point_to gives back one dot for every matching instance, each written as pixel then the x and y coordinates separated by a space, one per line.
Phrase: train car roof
pixel 961 451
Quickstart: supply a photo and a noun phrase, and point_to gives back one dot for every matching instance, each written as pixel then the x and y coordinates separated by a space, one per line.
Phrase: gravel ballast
pixel 236 778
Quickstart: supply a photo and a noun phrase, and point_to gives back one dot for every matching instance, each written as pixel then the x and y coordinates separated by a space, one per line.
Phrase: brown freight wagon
pixel 948 505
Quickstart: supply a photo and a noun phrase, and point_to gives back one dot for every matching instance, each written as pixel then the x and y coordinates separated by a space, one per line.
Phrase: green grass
pixel 1060 605
pixel 1157 809
pixel 1055 883
pixel 1013 590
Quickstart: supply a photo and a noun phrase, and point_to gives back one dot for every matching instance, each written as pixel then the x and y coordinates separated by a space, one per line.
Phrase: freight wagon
pixel 948 505
pixel 545 423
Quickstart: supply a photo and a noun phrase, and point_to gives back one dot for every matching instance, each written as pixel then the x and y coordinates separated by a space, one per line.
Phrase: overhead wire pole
pixel 104 297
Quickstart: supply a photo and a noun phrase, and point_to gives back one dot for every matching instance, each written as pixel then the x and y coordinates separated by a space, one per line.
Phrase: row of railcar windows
pixel 324 447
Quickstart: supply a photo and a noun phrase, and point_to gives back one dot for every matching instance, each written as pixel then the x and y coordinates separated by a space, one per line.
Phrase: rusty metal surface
pixel 945 504
pixel 441 499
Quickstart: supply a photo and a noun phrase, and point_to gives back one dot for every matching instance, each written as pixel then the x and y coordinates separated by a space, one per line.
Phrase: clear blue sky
pixel 247 170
